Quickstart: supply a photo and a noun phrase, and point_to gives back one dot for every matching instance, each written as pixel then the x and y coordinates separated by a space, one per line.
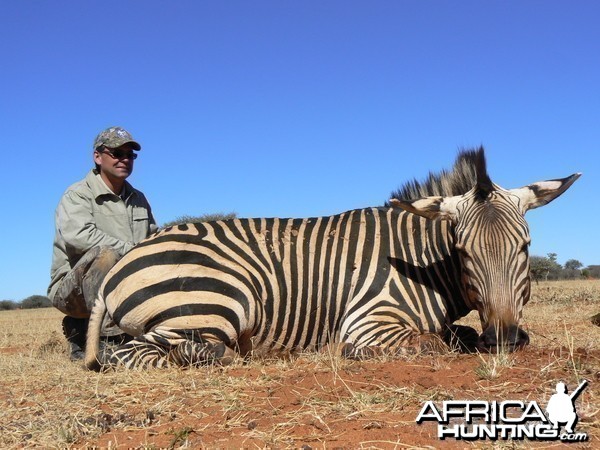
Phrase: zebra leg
pixel 139 353
pixel 194 353
pixel 367 341
pixel 150 350
pixel 166 348
pixel 425 343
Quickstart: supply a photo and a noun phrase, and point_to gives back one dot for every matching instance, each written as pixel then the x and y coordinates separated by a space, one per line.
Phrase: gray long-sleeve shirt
pixel 90 214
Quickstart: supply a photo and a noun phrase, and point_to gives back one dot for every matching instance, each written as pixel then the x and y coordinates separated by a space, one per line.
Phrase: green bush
pixel 7 305
pixel 36 301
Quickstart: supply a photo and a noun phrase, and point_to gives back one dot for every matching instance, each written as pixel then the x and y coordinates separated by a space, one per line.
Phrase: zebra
pixel 390 279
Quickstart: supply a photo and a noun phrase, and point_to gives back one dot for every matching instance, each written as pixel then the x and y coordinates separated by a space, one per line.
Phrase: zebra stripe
pixel 507 243
pixel 390 279
pixel 267 285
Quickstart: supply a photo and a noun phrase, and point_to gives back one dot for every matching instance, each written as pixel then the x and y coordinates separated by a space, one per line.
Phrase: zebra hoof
pixel 431 343
pixel 462 339
pixel 223 354
pixel 349 351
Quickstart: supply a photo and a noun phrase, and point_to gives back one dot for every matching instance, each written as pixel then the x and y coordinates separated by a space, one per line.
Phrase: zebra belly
pixel 187 296
pixel 274 285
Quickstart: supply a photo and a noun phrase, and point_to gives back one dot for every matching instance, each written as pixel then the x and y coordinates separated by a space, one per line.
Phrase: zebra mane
pixel 468 171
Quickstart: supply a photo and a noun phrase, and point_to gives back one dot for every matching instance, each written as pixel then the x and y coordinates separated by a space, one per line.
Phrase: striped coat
pixel 375 279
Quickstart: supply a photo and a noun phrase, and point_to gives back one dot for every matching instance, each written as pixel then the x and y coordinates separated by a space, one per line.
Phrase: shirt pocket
pixel 114 223
pixel 140 214
pixel 141 224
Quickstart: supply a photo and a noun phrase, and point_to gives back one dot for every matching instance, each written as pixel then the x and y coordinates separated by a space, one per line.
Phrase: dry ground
pixel 310 401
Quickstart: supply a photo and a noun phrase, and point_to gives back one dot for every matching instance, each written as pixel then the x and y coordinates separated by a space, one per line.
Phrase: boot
pixel 75 331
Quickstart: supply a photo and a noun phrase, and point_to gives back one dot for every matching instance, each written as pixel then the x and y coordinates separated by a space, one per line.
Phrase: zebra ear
pixel 543 192
pixel 435 208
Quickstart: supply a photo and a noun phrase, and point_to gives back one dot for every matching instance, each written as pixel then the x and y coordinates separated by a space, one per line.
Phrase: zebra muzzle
pixel 498 339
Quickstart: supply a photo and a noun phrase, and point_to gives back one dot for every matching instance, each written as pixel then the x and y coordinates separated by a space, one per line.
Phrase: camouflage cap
pixel 114 137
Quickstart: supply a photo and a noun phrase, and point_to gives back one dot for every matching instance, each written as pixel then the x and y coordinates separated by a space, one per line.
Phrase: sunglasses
pixel 118 153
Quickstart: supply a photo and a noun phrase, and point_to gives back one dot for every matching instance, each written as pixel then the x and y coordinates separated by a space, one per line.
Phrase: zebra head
pixel 491 237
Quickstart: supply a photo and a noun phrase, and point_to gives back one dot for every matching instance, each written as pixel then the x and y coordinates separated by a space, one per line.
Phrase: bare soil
pixel 308 401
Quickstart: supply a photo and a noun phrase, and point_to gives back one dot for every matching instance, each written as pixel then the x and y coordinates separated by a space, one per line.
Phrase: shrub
pixel 7 305
pixel 36 301
pixel 203 218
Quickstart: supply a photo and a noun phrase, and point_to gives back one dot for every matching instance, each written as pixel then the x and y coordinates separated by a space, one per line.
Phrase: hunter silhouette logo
pixel 561 407
pixel 509 419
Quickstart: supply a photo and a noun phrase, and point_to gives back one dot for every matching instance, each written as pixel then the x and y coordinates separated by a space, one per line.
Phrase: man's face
pixel 115 163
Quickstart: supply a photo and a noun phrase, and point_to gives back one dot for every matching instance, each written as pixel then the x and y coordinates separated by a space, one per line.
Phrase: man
pixel 98 220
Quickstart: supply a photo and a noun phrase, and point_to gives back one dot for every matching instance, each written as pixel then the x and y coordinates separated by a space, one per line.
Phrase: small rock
pixel 373 426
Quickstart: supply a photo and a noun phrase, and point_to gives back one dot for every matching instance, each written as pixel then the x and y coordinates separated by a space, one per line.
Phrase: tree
pixel 544 267
pixel 539 267
pixel 7 305
pixel 572 269
pixel 555 268
pixel 36 301
pixel 593 271
pixel 573 264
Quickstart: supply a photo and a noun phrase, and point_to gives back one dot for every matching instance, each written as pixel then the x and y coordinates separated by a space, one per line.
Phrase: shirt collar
pixel 99 187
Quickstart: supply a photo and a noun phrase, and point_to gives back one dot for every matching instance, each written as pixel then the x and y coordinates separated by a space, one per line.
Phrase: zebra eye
pixel 462 252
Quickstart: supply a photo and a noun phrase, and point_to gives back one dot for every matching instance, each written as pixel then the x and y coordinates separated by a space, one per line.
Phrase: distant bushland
pixel 7 305
pixel 35 301
pixel 202 218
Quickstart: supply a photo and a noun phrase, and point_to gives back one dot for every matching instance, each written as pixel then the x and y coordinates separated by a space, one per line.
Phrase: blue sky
pixel 295 108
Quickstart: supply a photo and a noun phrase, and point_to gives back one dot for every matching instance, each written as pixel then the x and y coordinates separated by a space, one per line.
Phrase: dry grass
pixel 317 400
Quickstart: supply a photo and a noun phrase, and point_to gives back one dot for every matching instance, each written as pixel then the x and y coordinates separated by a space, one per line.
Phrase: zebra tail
pixel 92 345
